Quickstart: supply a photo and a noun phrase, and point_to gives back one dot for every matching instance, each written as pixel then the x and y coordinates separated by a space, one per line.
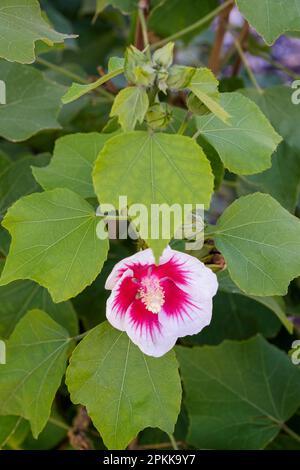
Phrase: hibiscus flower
pixel 156 304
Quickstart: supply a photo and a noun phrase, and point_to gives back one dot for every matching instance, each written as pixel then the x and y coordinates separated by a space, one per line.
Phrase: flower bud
pixel 180 76
pixel 163 57
pixel 138 69
pixel 159 116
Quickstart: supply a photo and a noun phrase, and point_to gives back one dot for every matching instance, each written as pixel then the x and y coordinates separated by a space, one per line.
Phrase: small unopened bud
pixel 180 76
pixel 138 69
pixel 159 116
pixel 163 57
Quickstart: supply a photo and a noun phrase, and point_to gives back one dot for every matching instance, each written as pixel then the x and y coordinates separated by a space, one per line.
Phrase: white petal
pixel 155 346
pixel 112 315
pixel 192 320
pixel 202 281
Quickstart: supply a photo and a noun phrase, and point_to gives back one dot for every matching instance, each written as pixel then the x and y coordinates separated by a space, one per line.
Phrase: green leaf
pixel 245 144
pixel 126 6
pixel 72 163
pixel 91 303
pixel 238 394
pixel 5 161
pixel 123 390
pixel 130 105
pixel 55 431
pixel 21 25
pixel 205 86
pixel 274 304
pixel 276 103
pixel 284 442
pixel 139 164
pixel 77 90
pixel 236 317
pixel 281 181
pixel 54 243
pixel 260 241
pixel 17 180
pixel 9 426
pixel 271 18
pixel 33 102
pixel 170 16
pixel 214 160
pixel 4 242
pixel 36 360
pixel 20 296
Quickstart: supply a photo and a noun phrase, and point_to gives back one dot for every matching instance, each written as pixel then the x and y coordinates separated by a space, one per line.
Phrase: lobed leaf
pixel 123 390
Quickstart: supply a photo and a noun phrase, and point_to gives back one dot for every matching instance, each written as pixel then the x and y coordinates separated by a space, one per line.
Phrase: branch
pixel 214 60
pixel 141 37
pixel 203 21
pixel 243 40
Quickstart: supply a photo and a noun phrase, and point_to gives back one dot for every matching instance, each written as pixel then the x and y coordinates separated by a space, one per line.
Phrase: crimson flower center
pixel 152 294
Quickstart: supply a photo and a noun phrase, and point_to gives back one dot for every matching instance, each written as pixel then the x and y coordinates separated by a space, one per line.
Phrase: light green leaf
pixel 130 105
pixel 36 360
pixel 245 144
pixel 276 103
pixel 21 25
pixel 274 304
pixel 17 180
pixel 139 164
pixel 238 394
pixel 33 102
pixel 205 86
pixel 54 243
pixel 281 181
pixel 260 241
pixel 72 163
pixel 271 18
pixel 123 390
pixel 20 296
pixel 77 90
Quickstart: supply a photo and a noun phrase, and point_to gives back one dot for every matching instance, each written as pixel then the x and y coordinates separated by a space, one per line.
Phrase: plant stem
pixel 214 60
pixel 193 26
pixel 197 133
pixel 242 40
pixel 290 432
pixel 143 24
pixel 59 424
pixel 3 443
pixel 79 337
pixel 184 123
pixel 173 442
pixel 279 66
pixel 230 184
pixel 247 67
pixel 73 76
